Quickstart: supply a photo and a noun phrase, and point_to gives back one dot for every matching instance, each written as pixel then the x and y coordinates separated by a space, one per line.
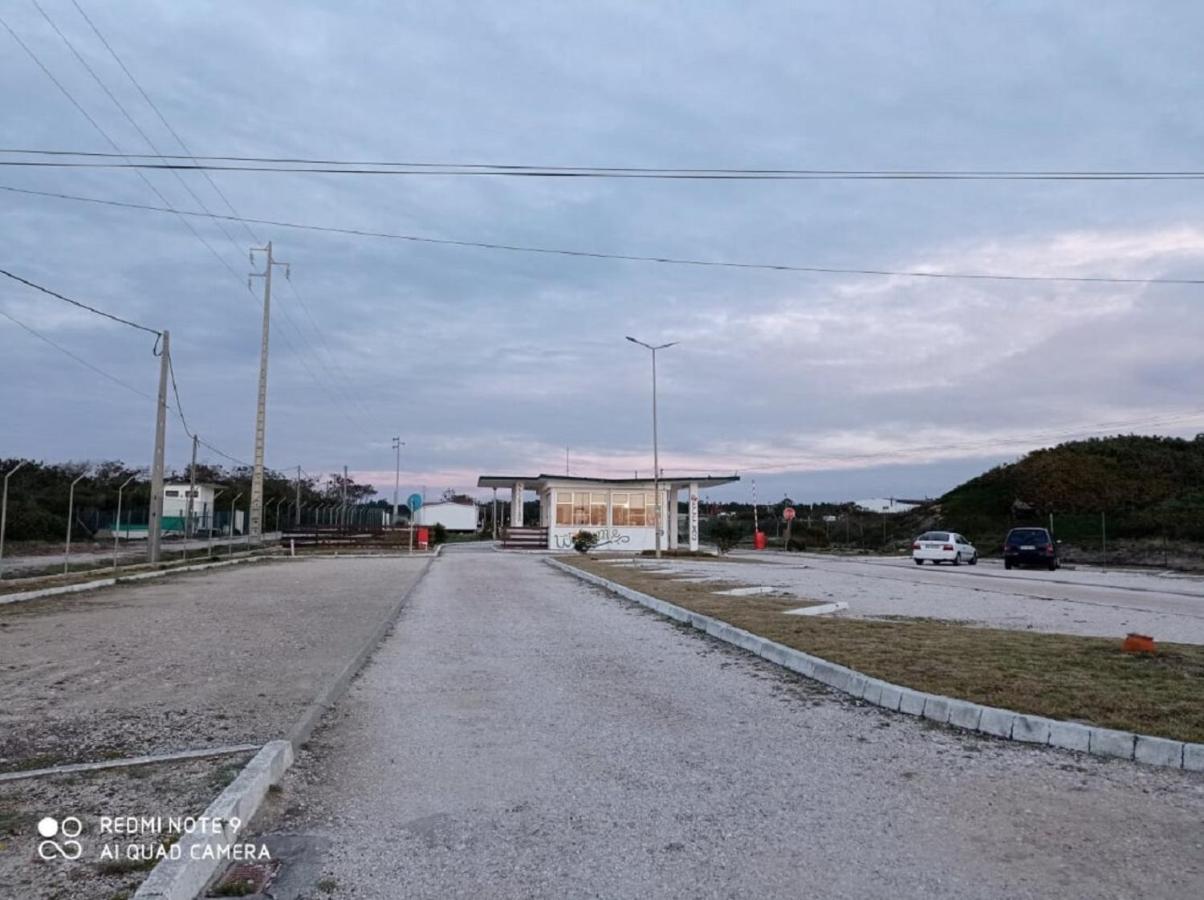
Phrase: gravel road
pixel 1093 602
pixel 222 657
pixel 525 735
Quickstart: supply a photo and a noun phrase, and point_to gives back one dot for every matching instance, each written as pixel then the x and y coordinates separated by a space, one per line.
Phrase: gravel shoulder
pixel 208 659
pixel 171 789
pixel 525 735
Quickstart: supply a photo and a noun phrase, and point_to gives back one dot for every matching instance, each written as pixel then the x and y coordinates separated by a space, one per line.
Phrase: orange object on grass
pixel 1139 643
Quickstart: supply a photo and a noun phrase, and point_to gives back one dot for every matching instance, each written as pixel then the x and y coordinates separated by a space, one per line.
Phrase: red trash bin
pixel 424 538
pixel 759 541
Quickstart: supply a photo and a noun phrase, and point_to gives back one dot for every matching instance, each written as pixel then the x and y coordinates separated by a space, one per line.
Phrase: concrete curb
pixel 186 877
pixel 124 579
pixel 203 753
pixel 1002 723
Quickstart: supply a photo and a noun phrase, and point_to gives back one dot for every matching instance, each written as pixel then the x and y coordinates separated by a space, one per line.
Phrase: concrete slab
pixel 936 709
pixel 964 714
pixel 754 591
pixel 1106 742
pixel 996 722
pixel 1157 751
pixel 1070 736
pixel 1031 729
pixel 1193 757
pixel 890 697
pixel 911 702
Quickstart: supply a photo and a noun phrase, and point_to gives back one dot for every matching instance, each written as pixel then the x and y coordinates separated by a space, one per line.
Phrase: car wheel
pixel 1007 563
pixel 957 560
pixel 974 560
pixel 1053 565
pixel 918 562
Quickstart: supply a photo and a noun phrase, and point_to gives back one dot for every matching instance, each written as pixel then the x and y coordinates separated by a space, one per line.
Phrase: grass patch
pixel 1059 676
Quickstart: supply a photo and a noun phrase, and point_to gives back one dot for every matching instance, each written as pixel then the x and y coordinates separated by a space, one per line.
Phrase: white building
pixel 452 516
pixel 175 509
pixel 622 512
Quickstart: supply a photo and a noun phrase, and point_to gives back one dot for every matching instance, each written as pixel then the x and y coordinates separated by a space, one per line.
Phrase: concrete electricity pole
pixel 297 514
pixel 398 443
pixel 656 460
pixel 154 522
pixel 255 527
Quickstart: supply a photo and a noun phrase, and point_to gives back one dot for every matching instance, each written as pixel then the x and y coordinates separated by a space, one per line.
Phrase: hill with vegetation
pixel 1133 486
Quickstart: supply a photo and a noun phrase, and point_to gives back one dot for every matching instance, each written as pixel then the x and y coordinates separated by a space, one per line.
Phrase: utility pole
pixel 297 514
pixel 191 492
pixel 154 522
pixel 398 443
pixel 343 508
pixel 255 526
pixel 566 461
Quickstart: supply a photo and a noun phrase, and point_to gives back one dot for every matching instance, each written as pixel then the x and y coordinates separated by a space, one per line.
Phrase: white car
pixel 943 546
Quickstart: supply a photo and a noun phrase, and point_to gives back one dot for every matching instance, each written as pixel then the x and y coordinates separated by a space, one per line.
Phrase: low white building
pixel 452 516
pixel 624 513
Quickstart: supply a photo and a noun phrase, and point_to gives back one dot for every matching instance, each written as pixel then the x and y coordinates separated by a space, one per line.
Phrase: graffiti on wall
pixel 605 536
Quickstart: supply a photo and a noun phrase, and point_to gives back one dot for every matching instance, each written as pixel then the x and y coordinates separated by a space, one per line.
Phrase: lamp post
pixel 398 443
pixel 656 462
pixel 70 516
pixel 4 511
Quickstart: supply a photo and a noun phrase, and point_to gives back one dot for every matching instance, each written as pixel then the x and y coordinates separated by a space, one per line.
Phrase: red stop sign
pixel 788 513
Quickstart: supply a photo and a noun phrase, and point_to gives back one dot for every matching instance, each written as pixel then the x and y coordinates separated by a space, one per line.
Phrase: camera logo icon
pixel 51 828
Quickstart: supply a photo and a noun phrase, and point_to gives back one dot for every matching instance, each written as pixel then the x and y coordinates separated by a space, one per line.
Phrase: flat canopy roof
pixel 536 482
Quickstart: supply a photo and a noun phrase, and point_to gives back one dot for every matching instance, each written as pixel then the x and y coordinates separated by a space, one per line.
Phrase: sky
pixel 816 386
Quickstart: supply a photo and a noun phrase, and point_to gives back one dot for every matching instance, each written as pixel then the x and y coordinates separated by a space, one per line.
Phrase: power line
pixel 386 167
pixel 129 118
pixel 169 207
pixel 85 306
pixel 151 103
pixel 626 257
pixel 83 362
pixel 104 134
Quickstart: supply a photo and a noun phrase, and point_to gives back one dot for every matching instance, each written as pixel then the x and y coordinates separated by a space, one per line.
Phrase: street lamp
pixel 398 443
pixel 656 462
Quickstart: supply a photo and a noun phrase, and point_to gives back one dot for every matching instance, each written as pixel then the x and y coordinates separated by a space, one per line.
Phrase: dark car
pixel 1030 547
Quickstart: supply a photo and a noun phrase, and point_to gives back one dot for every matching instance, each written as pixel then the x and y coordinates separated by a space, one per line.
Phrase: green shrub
pixel 438 534
pixel 584 541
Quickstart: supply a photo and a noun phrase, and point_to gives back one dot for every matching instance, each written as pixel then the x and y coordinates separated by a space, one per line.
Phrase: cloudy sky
pixel 822 386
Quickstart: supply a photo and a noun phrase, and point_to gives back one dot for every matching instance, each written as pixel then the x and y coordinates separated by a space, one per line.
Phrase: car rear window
pixel 934 536
pixel 1028 536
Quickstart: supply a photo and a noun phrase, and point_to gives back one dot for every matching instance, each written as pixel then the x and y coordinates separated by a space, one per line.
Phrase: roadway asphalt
pixel 524 735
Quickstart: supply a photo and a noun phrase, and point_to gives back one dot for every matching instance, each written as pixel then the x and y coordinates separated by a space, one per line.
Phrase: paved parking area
pixel 524 735
pixel 1083 601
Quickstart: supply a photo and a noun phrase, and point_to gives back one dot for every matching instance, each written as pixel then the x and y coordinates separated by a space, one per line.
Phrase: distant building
pixel 886 505
pixel 175 510
pixel 621 512
pixel 452 516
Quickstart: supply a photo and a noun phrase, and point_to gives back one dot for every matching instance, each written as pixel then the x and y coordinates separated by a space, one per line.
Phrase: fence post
pixel 4 511
pixel 70 522
pixel 117 524
pixel 213 524
pixel 230 551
